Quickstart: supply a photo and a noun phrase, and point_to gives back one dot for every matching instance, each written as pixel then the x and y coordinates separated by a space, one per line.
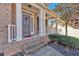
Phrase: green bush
pixel 66 40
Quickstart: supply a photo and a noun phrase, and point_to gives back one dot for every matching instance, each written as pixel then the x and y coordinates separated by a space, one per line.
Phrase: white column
pixel 56 26
pixel 44 31
pixel 19 21
pixel 42 23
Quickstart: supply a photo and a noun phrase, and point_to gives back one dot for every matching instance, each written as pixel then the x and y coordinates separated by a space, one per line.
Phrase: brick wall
pixel 5 18
pixel 28 45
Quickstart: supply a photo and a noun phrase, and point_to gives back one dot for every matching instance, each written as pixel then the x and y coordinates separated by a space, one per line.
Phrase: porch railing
pixel 11 33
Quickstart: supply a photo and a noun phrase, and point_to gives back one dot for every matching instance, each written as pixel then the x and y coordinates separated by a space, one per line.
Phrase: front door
pixel 26 24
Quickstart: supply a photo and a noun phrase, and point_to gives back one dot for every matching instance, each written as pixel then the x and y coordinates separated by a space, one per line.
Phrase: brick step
pixel 30 50
pixel 26 46
pixel 33 45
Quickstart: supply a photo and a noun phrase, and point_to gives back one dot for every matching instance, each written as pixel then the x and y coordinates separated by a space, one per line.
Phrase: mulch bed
pixel 61 48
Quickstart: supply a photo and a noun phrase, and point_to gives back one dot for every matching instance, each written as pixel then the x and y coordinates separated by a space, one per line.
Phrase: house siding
pixel 5 19
pixel 8 16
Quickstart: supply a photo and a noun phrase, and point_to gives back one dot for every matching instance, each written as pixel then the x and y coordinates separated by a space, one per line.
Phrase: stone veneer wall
pixel 5 18
pixel 28 45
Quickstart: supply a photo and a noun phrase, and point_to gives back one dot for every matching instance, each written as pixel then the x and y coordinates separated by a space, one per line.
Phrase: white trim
pixel 32 24
pixel 42 22
pixel 19 21
pixel 30 20
pixel 9 40
pixel 26 11
pixel 11 32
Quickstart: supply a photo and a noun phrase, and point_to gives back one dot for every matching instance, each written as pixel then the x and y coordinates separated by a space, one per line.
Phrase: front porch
pixel 29 29
pixel 31 20
pixel 43 51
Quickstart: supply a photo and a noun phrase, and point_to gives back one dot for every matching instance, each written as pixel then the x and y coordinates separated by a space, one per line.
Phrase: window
pixel 27 24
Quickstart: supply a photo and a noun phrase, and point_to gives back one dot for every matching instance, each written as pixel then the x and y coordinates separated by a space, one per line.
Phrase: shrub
pixel 66 40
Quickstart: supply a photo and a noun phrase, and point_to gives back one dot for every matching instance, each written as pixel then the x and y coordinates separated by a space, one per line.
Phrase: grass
pixel 66 40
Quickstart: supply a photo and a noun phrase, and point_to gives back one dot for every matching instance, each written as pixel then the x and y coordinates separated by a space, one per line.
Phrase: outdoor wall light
pixel 29 6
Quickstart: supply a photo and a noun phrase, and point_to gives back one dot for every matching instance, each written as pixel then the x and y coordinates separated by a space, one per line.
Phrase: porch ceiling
pixel 52 13
pixel 30 8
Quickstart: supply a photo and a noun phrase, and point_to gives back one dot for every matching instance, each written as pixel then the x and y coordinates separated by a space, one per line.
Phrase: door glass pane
pixel 31 25
pixel 26 25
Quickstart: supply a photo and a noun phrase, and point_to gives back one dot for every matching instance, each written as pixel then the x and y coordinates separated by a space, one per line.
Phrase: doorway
pixel 27 24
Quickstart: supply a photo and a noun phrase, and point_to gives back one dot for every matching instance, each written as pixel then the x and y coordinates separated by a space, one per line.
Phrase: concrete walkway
pixel 46 51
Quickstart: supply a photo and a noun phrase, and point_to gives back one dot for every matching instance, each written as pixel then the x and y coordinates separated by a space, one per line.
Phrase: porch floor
pixel 46 51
